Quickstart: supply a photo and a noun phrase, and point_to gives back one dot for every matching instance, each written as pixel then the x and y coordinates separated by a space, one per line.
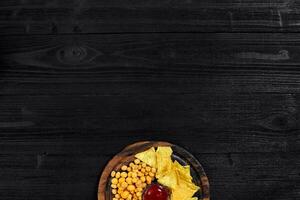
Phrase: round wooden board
pixel 128 153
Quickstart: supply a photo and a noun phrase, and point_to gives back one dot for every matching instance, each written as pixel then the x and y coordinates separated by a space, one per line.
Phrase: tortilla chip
pixel 164 161
pixel 148 157
pixel 170 174
pixel 164 151
pixel 170 180
pixel 183 172
pixel 184 190
pixel 193 198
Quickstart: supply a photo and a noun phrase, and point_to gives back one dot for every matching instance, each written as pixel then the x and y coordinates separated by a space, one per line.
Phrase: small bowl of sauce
pixel 156 192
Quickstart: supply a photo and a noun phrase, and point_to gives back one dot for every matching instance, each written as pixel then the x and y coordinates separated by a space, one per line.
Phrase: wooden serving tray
pixel 127 155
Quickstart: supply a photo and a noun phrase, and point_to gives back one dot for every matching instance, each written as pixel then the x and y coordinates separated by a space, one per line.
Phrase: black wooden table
pixel 80 80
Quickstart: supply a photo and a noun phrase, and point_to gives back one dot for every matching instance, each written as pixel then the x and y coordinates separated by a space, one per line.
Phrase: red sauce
pixel 156 192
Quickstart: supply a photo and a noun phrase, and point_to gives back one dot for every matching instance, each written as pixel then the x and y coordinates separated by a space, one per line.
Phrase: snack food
pixel 154 167
pixel 130 182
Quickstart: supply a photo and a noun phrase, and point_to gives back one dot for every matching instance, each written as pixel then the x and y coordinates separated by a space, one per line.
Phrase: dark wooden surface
pixel 80 80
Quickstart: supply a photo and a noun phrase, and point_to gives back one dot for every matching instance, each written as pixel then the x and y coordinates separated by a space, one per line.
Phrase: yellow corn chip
pixel 148 157
pixel 170 174
pixel 193 198
pixel 182 171
pixel 169 180
pixel 184 190
pixel 164 151
pixel 164 161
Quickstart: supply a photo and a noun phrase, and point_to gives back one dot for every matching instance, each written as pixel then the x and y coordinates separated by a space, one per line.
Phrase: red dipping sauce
pixel 156 192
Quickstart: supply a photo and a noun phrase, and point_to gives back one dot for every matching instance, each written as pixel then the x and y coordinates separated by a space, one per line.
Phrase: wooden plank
pixel 68 103
pixel 230 140
pixel 227 124
pixel 69 174
pixel 39 17
pixel 230 90
pixel 173 63
pixel 158 53
pixel 151 3
pixel 274 190
pixel 220 167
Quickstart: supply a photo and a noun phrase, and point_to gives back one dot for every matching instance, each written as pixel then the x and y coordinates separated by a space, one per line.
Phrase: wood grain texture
pixel 70 174
pixel 131 56
pixel 119 16
pixel 81 79
pixel 70 102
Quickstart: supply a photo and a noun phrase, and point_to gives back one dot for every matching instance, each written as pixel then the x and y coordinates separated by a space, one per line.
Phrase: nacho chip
pixel 183 172
pixel 170 174
pixel 193 198
pixel 148 157
pixel 164 161
pixel 164 151
pixel 170 180
pixel 184 190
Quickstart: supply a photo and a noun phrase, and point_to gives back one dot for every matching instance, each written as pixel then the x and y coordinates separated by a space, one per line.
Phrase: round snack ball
pixel 140 173
pixel 138 184
pixel 124 185
pixel 148 169
pixel 135 167
pixel 131 187
pixel 124 174
pixel 125 194
pixel 129 197
pixel 114 181
pixel 148 179
pixel 153 170
pixel 120 190
pixel 131 165
pixel 134 180
pixel 129 180
pixel 113 174
pixel 121 180
pixel 151 174
pixel 134 174
pixel 137 161
pixel 139 194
